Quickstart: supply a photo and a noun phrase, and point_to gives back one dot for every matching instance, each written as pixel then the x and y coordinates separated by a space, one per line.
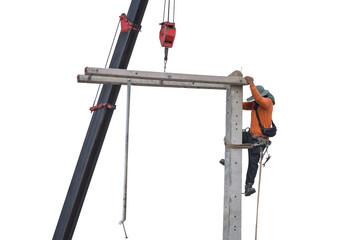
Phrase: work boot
pixel 222 161
pixel 249 190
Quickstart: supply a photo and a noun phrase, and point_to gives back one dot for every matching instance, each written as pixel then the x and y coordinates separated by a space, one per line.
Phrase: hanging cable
pixel 124 230
pixel 107 60
pixel 126 156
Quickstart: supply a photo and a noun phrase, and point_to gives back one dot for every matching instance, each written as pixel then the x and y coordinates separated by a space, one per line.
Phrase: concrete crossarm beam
pixel 147 82
pixel 161 76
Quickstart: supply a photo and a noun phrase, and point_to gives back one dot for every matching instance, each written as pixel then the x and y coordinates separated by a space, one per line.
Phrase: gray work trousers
pixel 254 157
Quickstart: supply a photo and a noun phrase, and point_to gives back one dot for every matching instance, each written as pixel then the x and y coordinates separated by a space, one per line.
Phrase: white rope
pixel 258 196
pixel 262 153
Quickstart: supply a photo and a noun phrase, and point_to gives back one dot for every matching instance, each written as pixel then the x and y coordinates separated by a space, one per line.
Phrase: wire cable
pixel 107 60
pixel 174 12
pixel 168 11
pixel 164 11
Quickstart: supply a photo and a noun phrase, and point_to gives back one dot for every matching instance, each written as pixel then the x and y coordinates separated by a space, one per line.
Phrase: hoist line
pixel 168 15
pixel 174 12
pixel 107 60
pixel 168 11
pixel 164 11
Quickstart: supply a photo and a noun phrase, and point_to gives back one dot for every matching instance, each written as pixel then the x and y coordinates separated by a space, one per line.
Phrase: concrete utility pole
pixel 233 150
pixel 233 164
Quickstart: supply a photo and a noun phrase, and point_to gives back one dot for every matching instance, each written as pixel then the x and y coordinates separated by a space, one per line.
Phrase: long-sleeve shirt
pixel 265 112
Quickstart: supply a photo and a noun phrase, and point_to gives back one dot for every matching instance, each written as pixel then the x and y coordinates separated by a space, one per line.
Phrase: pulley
pixel 167 34
pixel 167 31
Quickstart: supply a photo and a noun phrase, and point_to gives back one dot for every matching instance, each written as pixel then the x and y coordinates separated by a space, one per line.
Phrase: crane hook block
pixel 167 34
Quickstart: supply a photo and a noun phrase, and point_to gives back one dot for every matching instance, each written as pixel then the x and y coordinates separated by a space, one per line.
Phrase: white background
pixel 305 52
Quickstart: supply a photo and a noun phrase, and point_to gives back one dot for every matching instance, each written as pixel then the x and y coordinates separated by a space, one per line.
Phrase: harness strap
pixel 260 141
pixel 239 146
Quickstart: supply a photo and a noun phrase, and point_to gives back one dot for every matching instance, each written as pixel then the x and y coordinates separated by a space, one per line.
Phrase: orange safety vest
pixel 265 110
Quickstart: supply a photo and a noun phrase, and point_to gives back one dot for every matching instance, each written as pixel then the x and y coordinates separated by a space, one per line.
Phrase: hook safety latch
pixel 267 159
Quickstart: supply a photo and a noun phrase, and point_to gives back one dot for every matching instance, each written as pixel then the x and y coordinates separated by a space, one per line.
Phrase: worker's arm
pixel 263 102
pixel 247 105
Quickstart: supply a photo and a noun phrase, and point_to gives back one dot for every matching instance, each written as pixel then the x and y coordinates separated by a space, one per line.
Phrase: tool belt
pixel 261 140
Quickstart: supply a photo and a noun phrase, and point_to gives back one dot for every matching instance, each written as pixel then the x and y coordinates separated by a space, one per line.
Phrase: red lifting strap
pixel 103 105
pixel 126 25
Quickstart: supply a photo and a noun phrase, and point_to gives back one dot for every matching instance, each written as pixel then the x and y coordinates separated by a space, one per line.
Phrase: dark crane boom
pixel 97 129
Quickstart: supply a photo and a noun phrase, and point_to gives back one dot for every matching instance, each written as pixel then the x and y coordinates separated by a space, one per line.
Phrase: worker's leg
pixel 254 157
pixel 252 166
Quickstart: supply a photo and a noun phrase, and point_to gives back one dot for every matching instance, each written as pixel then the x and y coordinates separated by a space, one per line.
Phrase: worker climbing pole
pixel 102 113
pixel 168 30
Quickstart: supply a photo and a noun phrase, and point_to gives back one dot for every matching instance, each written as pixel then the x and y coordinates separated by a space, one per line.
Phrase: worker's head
pixel 263 92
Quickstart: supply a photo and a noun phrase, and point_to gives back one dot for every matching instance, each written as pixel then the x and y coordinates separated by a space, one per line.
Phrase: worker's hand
pixel 249 80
